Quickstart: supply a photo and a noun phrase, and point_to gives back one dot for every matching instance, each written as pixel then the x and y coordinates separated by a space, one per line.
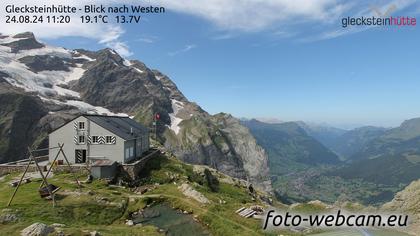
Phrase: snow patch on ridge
pixel 8 39
pixel 129 64
pixel 44 82
pixel 47 50
pixel 48 84
pixel 175 121
pixel 138 70
pixel 65 92
pixel 90 109
pixel 82 56
pixel 85 107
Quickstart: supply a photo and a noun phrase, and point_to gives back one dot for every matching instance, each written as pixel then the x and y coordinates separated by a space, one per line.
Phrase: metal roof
pixel 123 127
pixel 104 162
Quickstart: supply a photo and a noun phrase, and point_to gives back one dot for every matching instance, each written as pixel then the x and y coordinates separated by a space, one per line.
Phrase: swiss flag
pixel 157 116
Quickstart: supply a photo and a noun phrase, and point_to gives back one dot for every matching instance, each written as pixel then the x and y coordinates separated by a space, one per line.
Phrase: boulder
pixel 57 225
pixel 95 233
pixel 188 191
pixel 8 218
pixel 150 213
pixel 129 223
pixel 37 229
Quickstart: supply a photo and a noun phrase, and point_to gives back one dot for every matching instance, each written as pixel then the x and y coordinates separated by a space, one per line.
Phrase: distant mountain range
pixel 288 145
pixel 307 160
pixel 344 143
pixel 293 156
pixel 392 158
pixel 325 134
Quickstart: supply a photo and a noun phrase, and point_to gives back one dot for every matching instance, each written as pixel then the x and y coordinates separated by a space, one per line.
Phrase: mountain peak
pixel 269 120
pixel 24 35
pixel 21 42
pixel 110 54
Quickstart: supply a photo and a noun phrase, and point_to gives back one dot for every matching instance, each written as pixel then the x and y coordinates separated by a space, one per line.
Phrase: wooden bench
pixel 246 212
pixel 16 182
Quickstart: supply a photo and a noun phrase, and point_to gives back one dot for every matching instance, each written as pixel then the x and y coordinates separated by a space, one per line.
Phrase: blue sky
pixel 304 67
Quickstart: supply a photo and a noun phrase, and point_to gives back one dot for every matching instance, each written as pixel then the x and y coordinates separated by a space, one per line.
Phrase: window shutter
pixel 76 139
pixel 113 140
pixel 89 139
pixel 101 139
pixel 76 125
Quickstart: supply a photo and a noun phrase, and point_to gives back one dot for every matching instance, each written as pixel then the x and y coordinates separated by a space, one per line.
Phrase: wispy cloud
pixel 120 47
pixel 252 16
pixel 223 36
pixel 147 39
pixel 331 34
pixel 230 18
pixel 283 34
pixel 183 50
pixel 112 39
pixel 107 34
pixel 287 18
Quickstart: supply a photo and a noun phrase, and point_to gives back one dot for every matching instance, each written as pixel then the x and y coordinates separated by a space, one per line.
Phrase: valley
pixel 325 163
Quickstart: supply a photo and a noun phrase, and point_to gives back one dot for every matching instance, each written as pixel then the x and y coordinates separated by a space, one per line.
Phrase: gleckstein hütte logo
pixel 380 18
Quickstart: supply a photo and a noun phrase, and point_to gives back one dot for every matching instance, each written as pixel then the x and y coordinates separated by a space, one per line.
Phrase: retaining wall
pixel 134 169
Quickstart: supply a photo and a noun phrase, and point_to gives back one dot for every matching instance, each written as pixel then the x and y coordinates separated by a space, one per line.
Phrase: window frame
pixel 110 139
pixel 93 139
pixel 81 123
pixel 131 150
pixel 84 139
pixel 127 153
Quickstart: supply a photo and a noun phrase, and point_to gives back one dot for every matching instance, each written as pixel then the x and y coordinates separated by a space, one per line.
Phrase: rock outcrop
pixel 188 191
pixel 407 201
pixel 37 229
pixel 20 115
pixel 27 41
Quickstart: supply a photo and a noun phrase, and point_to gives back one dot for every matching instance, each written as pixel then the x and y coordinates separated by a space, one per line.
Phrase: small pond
pixel 171 220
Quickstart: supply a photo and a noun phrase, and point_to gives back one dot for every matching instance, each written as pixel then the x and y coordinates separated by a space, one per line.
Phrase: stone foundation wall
pixel 131 170
pixel 38 159
pixel 8 169
pixel 79 169
pixel 20 166
pixel 134 169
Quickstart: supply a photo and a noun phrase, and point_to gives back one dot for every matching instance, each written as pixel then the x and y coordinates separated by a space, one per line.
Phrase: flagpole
pixel 156 118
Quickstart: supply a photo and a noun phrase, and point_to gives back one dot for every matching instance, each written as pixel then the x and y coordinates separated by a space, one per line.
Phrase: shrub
pixel 195 177
pixel 212 181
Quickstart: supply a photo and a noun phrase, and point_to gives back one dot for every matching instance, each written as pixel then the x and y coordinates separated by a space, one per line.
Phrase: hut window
pixel 82 125
pixel 81 139
pixel 108 139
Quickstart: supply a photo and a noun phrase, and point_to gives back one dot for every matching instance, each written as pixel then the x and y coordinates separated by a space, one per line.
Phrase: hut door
pixel 80 156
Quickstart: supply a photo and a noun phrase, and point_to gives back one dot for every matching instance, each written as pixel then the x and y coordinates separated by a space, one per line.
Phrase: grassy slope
pixel 78 213
pixel 83 212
